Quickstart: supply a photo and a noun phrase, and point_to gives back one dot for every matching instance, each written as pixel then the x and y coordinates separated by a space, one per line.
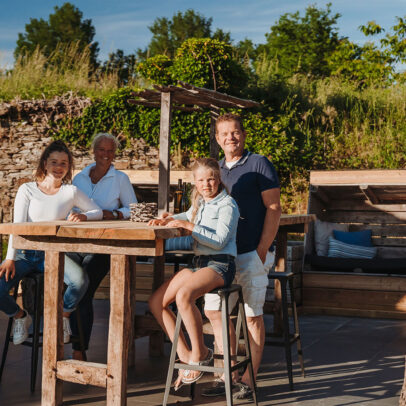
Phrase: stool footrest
pixel 210 368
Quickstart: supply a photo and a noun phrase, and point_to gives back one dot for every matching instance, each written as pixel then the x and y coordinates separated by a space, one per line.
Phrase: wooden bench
pixel 364 199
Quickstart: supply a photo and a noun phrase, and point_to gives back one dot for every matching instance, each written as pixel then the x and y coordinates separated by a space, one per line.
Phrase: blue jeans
pixel 33 261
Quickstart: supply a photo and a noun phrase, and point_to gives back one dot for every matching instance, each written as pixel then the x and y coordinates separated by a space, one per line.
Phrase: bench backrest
pixel 149 177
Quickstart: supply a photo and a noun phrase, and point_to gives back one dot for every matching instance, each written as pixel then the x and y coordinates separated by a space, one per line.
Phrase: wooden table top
pixel 291 219
pixel 121 230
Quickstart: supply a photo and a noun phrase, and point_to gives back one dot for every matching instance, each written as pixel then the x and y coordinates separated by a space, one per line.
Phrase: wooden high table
pixel 120 239
pixel 288 224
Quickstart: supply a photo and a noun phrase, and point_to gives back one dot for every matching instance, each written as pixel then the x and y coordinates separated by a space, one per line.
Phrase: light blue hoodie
pixel 215 225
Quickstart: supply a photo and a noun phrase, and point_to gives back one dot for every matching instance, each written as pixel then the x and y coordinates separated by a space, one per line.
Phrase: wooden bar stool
pixel 33 341
pixel 227 369
pixel 288 338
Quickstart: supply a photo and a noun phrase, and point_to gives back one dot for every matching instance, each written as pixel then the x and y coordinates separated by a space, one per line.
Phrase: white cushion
pixel 322 231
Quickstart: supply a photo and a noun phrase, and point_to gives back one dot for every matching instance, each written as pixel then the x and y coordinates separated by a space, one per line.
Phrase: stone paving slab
pixel 348 361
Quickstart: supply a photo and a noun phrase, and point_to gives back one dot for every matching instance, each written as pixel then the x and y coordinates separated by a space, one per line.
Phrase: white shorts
pixel 252 275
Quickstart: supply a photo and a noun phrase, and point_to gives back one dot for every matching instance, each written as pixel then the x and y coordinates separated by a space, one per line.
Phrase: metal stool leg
pixel 226 350
pixel 36 333
pixel 286 334
pixel 172 359
pixel 296 324
pixel 242 317
pixel 7 339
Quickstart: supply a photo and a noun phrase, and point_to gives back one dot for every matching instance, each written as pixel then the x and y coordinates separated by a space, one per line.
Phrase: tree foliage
pixel 64 26
pixel 208 63
pixel 303 44
pixel 202 62
pixel 121 64
pixel 168 35
pixel 371 63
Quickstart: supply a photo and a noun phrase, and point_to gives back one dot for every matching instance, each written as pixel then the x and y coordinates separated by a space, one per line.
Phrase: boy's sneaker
pixel 67 332
pixel 242 391
pixel 20 329
pixel 218 388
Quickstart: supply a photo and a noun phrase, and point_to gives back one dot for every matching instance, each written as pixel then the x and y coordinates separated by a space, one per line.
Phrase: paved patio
pixel 348 361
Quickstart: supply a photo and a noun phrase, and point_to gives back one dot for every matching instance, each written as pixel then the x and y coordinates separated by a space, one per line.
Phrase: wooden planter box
pixel 367 199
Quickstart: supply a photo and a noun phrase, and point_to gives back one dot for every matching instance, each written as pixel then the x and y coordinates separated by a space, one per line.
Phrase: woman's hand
pixel 77 217
pixel 160 221
pixel 108 215
pixel 7 269
pixel 186 225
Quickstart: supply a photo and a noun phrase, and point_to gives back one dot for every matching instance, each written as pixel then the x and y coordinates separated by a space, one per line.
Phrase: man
pixel 252 181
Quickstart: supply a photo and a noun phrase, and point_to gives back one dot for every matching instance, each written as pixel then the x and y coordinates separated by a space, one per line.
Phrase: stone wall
pixel 24 133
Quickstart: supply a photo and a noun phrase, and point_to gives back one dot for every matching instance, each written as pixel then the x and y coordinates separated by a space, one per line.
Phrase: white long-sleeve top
pixel 113 191
pixel 31 205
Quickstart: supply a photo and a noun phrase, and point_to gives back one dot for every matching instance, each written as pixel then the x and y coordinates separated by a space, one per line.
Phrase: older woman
pixel 111 190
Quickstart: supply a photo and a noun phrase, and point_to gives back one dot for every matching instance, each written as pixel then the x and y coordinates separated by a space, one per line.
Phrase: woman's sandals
pixel 186 374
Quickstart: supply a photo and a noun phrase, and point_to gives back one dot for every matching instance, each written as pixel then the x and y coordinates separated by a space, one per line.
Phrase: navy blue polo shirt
pixel 245 181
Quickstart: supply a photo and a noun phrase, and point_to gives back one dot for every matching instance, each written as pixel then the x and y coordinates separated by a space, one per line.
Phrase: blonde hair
pixel 209 163
pixel 54 146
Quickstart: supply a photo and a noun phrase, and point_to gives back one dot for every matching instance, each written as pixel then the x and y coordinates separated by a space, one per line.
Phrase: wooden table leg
pixel 156 339
pixel 53 342
pixel 119 326
pixel 280 266
pixel 133 274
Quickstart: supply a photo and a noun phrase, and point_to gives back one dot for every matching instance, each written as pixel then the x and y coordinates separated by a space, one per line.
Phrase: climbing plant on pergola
pixel 184 97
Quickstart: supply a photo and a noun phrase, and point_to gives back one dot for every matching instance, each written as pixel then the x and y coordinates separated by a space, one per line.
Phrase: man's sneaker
pixel 67 332
pixel 20 329
pixel 217 389
pixel 242 391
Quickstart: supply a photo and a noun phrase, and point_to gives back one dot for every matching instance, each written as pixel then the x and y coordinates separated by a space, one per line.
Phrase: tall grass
pixel 354 126
pixel 67 69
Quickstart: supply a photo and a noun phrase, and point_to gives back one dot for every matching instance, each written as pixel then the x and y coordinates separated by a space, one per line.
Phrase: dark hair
pixel 209 163
pixel 54 146
pixel 230 117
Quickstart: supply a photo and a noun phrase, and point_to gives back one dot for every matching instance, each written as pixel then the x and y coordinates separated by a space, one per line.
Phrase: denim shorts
pixel 223 264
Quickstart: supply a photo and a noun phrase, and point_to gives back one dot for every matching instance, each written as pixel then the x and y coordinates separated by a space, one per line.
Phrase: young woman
pixel 212 222
pixel 49 198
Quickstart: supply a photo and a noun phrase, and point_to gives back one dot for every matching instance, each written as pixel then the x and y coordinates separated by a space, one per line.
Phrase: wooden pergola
pixel 184 97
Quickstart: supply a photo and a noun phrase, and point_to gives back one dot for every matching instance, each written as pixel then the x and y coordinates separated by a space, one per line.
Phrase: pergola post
pixel 214 146
pixel 164 148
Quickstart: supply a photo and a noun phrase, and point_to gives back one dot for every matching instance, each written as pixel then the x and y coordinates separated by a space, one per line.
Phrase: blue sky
pixel 124 23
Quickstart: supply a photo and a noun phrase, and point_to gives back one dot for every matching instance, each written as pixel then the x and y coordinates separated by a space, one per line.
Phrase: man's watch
pixel 115 214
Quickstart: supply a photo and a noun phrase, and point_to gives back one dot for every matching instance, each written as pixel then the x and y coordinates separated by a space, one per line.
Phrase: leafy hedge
pixel 275 137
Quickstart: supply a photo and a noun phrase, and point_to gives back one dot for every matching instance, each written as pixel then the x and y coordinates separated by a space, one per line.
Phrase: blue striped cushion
pixel 179 243
pixel 338 249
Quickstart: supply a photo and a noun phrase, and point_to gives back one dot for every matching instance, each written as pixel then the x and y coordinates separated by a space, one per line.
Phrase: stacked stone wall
pixel 25 131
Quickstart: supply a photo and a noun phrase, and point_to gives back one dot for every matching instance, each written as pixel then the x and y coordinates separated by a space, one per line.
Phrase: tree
pixel 64 26
pixel 303 44
pixel 209 63
pixel 169 35
pixel 123 65
pixel 370 63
